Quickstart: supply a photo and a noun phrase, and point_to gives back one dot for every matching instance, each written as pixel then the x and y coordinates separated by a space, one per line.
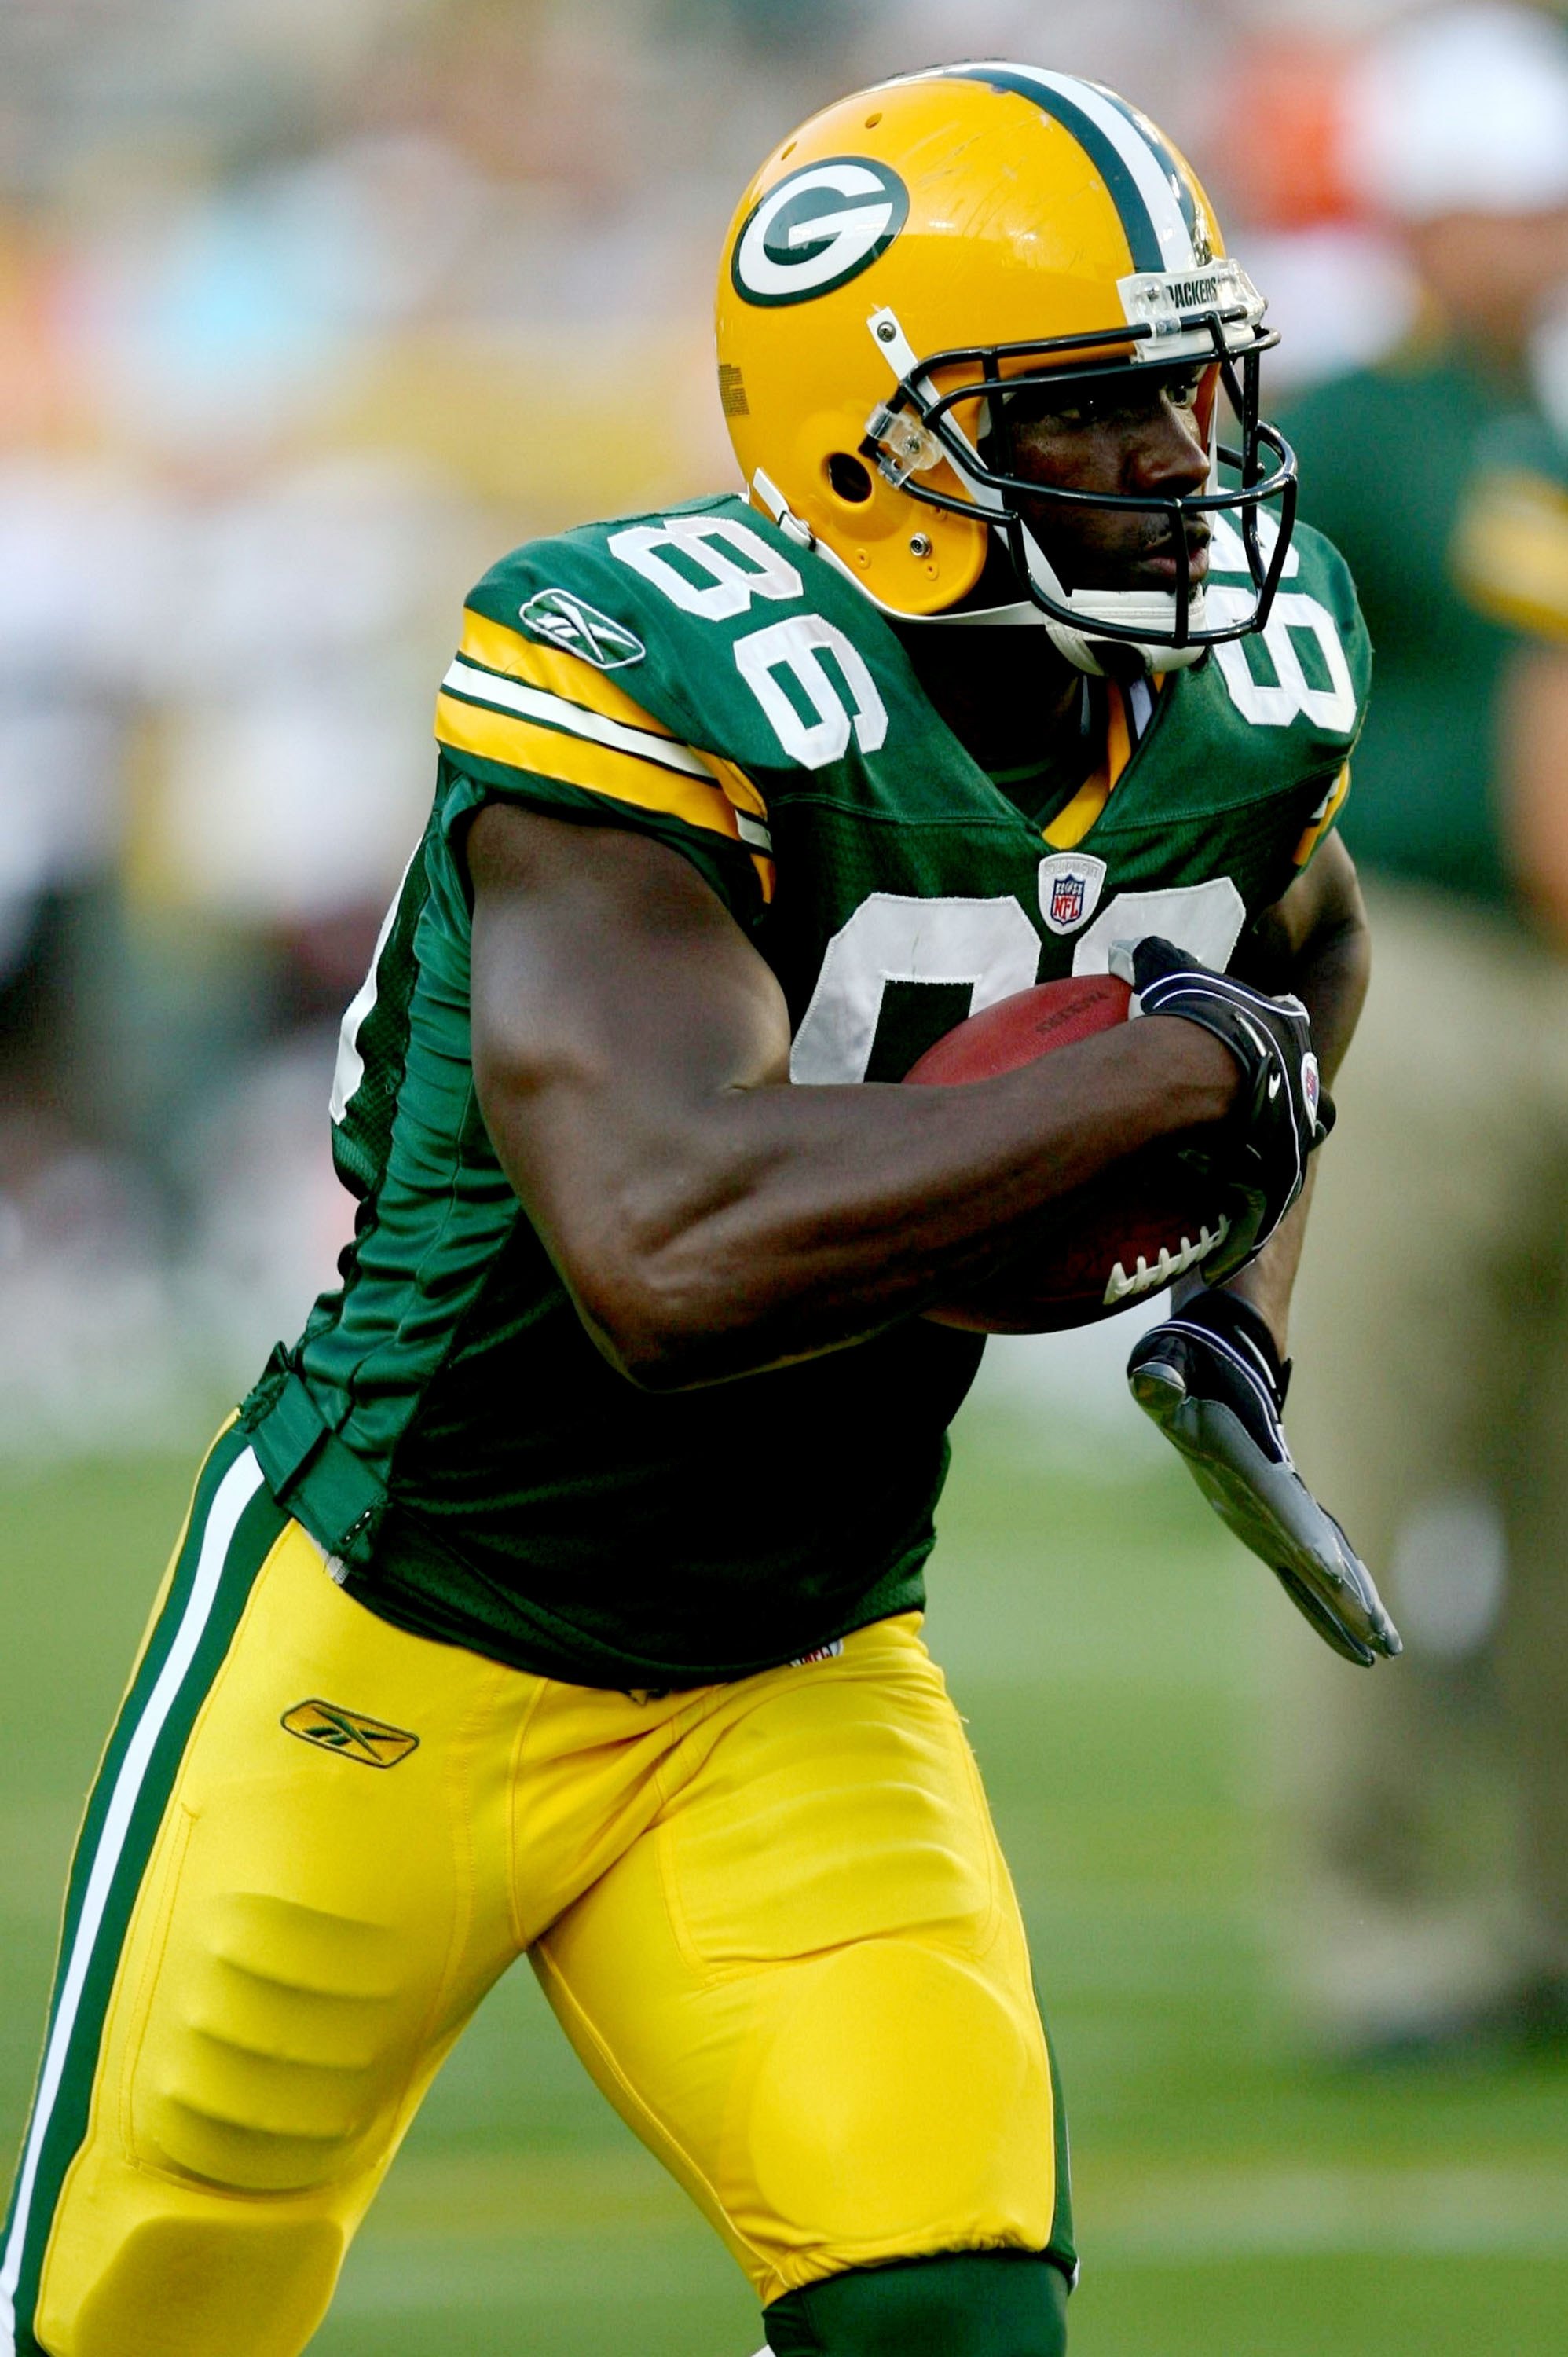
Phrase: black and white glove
pixel 1284 1111
pixel 1211 1379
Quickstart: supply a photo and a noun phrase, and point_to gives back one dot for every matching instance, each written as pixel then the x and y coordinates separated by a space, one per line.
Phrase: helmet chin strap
pixel 1151 610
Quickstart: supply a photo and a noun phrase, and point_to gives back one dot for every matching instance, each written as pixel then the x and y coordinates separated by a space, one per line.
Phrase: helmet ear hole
pixel 848 477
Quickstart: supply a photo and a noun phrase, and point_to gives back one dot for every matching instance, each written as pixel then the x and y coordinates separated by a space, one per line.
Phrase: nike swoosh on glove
pixel 1282 1113
pixel 1212 1381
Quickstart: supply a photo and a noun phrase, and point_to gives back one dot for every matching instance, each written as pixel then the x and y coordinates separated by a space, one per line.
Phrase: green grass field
pixel 1234 2199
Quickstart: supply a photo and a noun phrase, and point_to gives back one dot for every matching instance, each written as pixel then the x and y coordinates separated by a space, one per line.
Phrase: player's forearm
pixel 1331 978
pixel 771 1223
pixel 1269 1282
pixel 630 1052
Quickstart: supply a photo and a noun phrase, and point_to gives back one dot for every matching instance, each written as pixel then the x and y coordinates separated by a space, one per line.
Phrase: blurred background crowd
pixel 306 312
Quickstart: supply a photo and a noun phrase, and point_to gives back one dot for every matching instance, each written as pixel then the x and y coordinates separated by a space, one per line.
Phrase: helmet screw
pixel 919 545
pixel 885 332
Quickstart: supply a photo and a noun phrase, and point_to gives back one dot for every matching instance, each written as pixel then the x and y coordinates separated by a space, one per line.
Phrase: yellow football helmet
pixel 919 253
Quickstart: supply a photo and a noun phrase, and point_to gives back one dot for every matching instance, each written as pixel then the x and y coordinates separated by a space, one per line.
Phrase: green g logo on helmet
pixel 819 228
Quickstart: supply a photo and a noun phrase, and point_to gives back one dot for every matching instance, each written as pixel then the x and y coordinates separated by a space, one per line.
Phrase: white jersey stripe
pixel 236 1489
pixel 536 704
pixel 350 1068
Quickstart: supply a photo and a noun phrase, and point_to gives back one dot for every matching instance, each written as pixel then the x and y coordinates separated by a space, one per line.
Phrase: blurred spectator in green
pixel 1433 1334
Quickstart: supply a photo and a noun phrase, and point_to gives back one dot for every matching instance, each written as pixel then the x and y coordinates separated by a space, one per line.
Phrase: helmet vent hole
pixel 873 119
pixel 785 152
pixel 849 478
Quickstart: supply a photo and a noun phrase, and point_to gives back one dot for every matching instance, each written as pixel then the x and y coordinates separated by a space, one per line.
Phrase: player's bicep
pixel 1323 901
pixel 614 998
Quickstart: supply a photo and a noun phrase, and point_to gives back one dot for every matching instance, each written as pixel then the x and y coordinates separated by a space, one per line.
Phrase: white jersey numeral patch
pixel 714 545
pixel 1203 919
pixel 1275 703
pixel 796 647
pixel 990 944
pixel 711 544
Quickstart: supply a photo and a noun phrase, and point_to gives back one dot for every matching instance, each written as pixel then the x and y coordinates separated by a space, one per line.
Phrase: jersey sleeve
pixel 1323 818
pixel 525 722
pixel 1324 590
pixel 1510 539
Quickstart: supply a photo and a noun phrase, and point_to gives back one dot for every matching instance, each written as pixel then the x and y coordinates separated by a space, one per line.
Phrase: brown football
pixel 1151 1218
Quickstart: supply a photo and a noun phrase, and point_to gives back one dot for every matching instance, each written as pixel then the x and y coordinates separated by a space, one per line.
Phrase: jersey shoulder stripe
pixel 547 714
pixel 535 750
pixel 493 647
pixel 1322 817
pixel 477 686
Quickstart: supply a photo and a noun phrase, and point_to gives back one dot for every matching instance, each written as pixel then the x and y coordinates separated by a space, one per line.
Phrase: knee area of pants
pixel 191 2286
pixel 963 2304
pixel 940 2125
pixel 282 2054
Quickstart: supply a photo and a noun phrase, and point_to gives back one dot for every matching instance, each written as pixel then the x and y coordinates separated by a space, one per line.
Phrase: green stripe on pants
pixel 235 1524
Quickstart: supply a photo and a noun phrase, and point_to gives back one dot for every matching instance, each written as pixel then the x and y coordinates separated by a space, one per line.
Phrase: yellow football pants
pixel 771 1917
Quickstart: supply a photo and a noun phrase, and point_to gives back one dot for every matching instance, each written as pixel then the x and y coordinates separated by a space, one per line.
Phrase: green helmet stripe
pixel 1137 222
pixel 1159 218
pixel 1165 156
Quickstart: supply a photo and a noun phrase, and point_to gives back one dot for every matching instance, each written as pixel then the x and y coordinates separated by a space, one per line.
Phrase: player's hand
pixel 1284 1111
pixel 1212 1381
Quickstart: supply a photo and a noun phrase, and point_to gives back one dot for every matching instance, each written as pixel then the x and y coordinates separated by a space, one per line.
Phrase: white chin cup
pixel 1149 610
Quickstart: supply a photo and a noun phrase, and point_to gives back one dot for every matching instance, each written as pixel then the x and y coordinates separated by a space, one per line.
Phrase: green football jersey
pixel 445 1426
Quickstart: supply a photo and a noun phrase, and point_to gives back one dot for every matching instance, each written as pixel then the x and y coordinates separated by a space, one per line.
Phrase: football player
pixel 558 1591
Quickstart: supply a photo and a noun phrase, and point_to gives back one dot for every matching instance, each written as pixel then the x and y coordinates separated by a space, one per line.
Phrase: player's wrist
pixel 1202 1079
pixel 1269 1039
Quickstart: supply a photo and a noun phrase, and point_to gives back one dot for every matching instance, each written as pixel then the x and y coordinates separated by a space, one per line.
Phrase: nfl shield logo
pixel 1067 902
pixel 1070 884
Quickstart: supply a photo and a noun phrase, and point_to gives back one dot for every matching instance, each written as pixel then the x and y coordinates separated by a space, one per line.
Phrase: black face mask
pixel 910 433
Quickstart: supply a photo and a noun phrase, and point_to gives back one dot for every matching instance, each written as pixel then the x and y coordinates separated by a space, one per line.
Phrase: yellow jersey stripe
pixel 736 785
pixel 602 768
pixel 537 704
pixel 1069 826
pixel 1510 552
pixel 1322 817
pixel 575 682
pixel 501 649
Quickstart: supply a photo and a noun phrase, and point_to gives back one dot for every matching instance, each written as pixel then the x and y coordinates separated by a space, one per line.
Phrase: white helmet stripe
pixel 1147 169
pixel 1127 141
